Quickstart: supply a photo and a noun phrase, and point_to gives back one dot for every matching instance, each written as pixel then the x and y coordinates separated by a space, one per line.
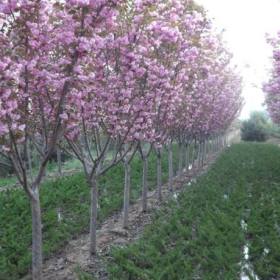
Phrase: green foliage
pixel 7 181
pixel 83 275
pixel 256 128
pixel 68 196
pixel 52 169
pixel 200 235
pixel 6 167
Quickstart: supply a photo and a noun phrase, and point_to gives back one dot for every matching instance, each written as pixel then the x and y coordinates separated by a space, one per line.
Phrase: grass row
pixel 52 169
pixel 199 236
pixel 68 196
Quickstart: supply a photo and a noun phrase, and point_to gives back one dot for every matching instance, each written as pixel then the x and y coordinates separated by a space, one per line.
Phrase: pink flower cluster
pixel 144 72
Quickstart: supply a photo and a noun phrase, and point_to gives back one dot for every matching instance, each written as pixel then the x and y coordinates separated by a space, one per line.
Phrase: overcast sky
pixel 245 24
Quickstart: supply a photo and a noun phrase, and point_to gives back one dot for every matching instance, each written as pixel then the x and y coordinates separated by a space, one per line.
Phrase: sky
pixel 245 24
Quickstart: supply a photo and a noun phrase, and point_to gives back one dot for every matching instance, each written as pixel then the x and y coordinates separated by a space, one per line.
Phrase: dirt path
pixel 76 254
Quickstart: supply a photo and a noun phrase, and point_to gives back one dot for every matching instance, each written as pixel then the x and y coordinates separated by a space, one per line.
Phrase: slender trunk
pixel 205 149
pixel 197 154
pixel 170 167
pixel 203 152
pixel 59 164
pixel 29 158
pixel 200 154
pixel 145 185
pixel 193 154
pixel 187 157
pixel 184 151
pixel 127 183
pixel 159 175
pixel 93 215
pixel 181 154
pixel 37 255
pixel 216 144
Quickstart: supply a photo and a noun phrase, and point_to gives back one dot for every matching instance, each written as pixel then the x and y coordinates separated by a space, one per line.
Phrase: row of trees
pixel 272 87
pixel 105 80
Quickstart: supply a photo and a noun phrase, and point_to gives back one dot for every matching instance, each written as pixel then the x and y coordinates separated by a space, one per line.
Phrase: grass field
pixel 202 234
pixel 69 198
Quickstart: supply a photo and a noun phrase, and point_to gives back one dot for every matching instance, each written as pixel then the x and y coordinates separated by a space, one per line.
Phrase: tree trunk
pixel 93 215
pixel 127 183
pixel 170 167
pixel 199 155
pixel 159 175
pixel 215 144
pixel 37 255
pixel 196 162
pixel 145 184
pixel 203 148
pixel 192 148
pixel 181 154
pixel 59 164
pixel 192 154
pixel 202 153
pixel 187 157
pixel 195 158
pixel 29 158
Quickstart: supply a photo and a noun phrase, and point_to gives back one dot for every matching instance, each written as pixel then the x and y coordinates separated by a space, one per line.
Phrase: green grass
pixel 200 235
pixel 7 181
pixel 82 275
pixel 52 168
pixel 70 196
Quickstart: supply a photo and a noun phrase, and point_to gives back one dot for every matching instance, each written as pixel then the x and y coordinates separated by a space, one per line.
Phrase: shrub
pixel 255 129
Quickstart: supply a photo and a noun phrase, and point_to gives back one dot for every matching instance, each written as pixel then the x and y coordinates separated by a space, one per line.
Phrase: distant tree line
pixel 258 128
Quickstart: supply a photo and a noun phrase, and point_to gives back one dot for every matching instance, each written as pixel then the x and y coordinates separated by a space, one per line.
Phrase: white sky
pixel 245 24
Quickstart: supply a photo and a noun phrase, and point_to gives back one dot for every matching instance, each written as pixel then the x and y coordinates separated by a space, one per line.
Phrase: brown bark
pixel 145 185
pixel 170 167
pixel 159 175
pixel 59 163
pixel 93 214
pixel 37 255
pixel 181 154
pixel 126 199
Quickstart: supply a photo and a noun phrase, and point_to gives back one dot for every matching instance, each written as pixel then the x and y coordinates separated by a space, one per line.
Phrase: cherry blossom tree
pixel 107 119
pixel 42 45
